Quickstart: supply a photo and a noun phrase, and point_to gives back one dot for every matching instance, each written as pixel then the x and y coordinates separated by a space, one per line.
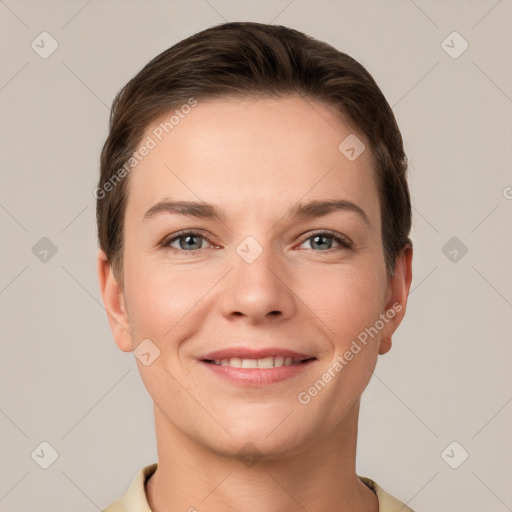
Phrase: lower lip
pixel 256 377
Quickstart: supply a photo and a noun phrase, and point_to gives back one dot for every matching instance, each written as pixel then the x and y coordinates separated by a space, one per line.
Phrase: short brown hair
pixel 251 60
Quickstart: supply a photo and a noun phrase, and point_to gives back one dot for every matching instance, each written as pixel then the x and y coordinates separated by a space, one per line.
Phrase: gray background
pixel 448 376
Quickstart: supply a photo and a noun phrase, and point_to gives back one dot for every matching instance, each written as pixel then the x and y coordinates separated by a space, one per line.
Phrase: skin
pixel 254 160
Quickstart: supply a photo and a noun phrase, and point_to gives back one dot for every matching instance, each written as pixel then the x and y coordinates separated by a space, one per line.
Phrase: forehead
pixel 255 154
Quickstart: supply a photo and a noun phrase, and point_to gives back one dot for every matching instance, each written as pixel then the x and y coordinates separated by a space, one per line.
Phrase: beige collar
pixel 135 498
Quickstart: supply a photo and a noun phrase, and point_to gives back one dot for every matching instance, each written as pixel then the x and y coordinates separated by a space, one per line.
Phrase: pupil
pixel 188 244
pixel 319 237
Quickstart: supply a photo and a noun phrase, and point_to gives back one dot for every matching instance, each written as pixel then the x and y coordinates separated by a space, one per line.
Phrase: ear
pixel 113 299
pixel 399 285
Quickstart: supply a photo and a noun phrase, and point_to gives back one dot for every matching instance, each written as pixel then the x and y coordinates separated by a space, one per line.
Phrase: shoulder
pixel 135 498
pixel 387 503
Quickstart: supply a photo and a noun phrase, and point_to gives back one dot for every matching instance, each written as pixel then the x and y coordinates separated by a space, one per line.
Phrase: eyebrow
pixel 309 210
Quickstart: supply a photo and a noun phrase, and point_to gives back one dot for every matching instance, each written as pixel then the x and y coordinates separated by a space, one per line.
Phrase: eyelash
pixel 342 241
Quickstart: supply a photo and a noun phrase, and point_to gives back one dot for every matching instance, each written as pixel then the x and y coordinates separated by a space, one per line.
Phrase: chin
pixel 252 449
pixel 266 440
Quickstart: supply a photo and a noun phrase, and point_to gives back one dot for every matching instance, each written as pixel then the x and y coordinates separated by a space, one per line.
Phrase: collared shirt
pixel 135 499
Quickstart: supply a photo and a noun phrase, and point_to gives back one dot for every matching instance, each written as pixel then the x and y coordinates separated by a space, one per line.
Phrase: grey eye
pixel 187 242
pixel 322 241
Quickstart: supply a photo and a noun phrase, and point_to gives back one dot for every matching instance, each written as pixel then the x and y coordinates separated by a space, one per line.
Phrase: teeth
pixel 250 363
pixel 266 362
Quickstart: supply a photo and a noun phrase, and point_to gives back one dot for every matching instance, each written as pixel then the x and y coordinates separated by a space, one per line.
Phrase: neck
pixel 191 476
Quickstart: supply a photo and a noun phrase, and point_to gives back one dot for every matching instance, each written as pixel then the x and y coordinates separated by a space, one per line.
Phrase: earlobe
pixel 114 302
pixel 399 286
pixel 385 345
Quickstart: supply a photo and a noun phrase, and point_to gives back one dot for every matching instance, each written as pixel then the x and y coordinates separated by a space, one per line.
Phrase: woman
pixel 253 220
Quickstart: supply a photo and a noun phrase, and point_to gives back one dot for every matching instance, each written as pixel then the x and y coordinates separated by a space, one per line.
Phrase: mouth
pixel 256 367
pixel 265 362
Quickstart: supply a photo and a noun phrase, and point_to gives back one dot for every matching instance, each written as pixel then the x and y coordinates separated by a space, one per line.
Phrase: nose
pixel 258 291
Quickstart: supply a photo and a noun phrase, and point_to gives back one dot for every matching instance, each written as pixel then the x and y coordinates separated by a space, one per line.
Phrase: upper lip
pixel 248 353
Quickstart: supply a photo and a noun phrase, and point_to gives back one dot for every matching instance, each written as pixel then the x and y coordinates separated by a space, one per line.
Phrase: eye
pixel 191 241
pixel 188 241
pixel 324 241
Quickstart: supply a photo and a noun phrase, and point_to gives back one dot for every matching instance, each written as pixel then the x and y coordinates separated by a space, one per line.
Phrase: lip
pixel 248 353
pixel 257 377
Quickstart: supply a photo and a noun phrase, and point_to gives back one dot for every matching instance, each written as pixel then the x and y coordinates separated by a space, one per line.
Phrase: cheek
pixel 347 299
pixel 162 298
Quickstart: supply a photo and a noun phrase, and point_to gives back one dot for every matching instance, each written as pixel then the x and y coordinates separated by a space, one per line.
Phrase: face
pixel 263 271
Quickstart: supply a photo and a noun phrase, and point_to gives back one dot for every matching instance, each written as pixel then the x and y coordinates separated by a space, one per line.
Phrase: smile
pixel 255 373
pixel 266 362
